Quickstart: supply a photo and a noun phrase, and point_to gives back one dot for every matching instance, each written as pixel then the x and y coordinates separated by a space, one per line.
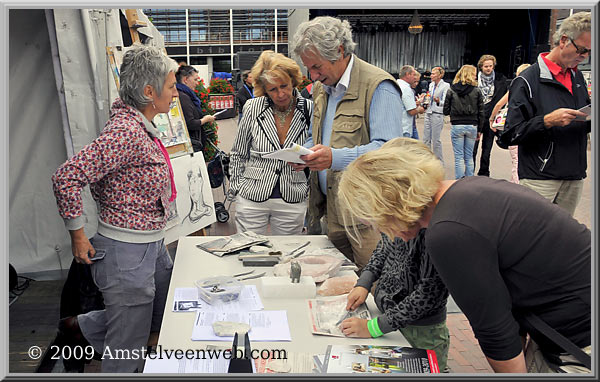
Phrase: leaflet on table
pixel 229 244
pixel 289 154
pixel 379 359
pixel 326 312
pixel 187 299
pixel 266 325
pixel 587 110
pixel 297 363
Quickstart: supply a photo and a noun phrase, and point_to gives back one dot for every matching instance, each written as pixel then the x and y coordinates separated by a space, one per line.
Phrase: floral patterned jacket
pixel 126 171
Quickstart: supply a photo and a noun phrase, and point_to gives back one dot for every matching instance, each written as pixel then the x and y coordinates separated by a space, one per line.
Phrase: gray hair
pixel 405 70
pixel 573 26
pixel 143 65
pixel 324 35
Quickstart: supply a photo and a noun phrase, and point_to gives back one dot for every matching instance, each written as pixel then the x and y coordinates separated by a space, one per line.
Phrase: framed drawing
pixel 194 206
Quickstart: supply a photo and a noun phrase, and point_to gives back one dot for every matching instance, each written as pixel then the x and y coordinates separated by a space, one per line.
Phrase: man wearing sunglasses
pixel 543 117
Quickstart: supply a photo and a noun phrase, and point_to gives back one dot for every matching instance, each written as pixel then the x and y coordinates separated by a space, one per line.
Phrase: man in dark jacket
pixel 246 92
pixel 492 86
pixel 543 117
pixel 187 79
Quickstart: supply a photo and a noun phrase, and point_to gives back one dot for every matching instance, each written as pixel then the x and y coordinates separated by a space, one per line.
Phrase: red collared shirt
pixel 560 75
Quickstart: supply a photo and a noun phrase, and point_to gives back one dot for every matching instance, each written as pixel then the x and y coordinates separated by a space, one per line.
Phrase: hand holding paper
pixel 587 110
pixel 290 154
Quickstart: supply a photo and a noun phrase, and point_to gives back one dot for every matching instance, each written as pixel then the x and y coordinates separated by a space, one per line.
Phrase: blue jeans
pixel 463 139
pixel 415 133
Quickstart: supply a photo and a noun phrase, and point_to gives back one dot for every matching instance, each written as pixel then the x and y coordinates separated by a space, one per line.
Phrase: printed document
pixel 290 154
pixel 187 300
pixel 266 325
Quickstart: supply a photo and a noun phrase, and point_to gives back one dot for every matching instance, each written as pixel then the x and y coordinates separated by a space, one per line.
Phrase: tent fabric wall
pixel 36 146
pixel 392 50
pixel 39 243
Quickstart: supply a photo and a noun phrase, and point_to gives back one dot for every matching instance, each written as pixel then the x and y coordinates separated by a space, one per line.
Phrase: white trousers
pixel 285 218
pixel 432 132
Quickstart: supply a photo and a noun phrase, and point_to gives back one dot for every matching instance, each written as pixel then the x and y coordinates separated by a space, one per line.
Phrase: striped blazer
pixel 254 177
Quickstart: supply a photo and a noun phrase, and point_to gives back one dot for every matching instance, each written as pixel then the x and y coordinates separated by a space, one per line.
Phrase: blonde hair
pixel 484 58
pixel 439 70
pixel 466 75
pixel 271 66
pixel 522 67
pixel 389 187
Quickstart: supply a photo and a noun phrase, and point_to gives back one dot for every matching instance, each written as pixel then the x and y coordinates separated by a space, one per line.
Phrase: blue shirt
pixel 408 100
pixel 385 119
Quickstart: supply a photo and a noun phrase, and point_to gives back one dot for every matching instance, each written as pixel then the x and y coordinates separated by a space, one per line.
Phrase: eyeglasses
pixel 580 51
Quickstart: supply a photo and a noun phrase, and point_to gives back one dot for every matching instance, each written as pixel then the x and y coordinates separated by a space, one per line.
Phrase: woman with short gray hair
pixel 324 35
pixel 131 179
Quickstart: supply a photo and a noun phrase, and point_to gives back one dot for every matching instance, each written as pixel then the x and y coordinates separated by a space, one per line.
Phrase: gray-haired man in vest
pixel 357 108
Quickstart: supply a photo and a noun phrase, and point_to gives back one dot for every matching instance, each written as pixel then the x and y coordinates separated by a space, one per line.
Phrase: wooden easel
pixel 134 23
pixel 182 148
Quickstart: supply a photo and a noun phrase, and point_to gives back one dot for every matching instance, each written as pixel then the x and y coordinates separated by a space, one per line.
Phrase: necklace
pixel 282 115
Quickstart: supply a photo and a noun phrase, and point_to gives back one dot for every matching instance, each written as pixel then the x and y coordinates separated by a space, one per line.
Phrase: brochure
pixel 379 359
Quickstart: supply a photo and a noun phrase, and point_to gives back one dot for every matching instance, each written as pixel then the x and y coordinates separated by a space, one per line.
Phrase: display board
pixel 193 209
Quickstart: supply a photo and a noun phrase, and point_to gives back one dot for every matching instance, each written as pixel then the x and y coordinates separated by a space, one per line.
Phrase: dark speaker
pixel 13 278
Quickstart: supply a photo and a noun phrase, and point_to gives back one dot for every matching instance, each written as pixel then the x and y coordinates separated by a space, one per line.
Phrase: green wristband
pixel 373 327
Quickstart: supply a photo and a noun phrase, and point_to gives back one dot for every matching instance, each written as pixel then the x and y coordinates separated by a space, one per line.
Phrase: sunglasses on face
pixel 580 50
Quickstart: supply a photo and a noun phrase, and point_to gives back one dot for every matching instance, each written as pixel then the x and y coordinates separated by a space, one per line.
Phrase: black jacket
pixel 464 105
pixel 242 96
pixel 500 89
pixel 547 153
pixel 192 119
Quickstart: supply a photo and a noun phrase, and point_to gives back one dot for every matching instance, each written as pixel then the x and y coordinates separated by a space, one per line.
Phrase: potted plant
pixel 220 86
pixel 211 128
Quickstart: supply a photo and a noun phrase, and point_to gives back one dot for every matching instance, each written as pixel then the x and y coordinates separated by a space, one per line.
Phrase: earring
pixel 153 105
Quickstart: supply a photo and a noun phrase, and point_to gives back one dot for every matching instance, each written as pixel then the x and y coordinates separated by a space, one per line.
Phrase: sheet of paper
pixel 267 325
pixel 219 112
pixel 168 363
pixel 290 154
pixel 186 300
pixel 587 110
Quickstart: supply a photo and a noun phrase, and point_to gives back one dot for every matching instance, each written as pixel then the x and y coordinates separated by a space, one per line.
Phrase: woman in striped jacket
pixel 269 191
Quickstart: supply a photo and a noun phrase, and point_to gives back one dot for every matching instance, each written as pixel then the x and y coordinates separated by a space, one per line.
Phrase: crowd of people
pixel 506 252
